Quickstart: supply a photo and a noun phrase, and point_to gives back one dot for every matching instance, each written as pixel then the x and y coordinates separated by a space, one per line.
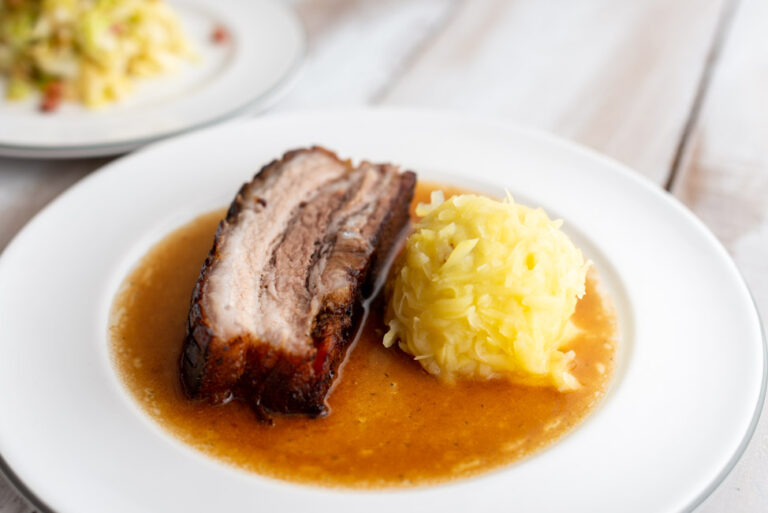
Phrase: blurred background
pixel 677 90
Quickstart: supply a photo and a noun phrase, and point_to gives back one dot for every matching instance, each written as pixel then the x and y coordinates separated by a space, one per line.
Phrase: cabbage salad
pixel 90 51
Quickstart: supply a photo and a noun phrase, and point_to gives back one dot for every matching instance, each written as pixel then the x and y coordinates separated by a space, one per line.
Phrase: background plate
pixel 681 409
pixel 266 45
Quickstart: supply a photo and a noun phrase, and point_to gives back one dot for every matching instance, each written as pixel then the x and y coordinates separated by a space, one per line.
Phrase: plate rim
pixel 252 105
pixel 497 123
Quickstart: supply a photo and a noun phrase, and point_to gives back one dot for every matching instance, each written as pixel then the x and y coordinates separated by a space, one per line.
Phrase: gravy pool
pixel 390 423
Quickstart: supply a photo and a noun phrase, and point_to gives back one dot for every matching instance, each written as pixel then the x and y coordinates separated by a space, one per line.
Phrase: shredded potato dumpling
pixel 486 289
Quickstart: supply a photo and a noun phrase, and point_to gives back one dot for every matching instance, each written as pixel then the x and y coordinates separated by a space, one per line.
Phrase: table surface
pixel 676 90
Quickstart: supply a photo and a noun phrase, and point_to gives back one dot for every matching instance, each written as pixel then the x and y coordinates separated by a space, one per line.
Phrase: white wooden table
pixel 678 90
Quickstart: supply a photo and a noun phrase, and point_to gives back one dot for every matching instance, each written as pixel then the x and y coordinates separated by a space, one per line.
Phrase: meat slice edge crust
pixel 293 374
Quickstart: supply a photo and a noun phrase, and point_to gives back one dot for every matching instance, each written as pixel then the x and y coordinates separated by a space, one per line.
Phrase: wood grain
pixel 724 180
pixel 617 76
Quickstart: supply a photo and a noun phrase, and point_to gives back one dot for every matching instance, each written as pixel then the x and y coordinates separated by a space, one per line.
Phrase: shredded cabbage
pixel 485 289
pixel 92 49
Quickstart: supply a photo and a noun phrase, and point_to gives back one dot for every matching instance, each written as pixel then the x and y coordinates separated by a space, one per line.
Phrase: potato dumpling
pixel 485 289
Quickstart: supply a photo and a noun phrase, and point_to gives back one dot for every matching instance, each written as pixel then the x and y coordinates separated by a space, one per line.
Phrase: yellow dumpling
pixel 485 289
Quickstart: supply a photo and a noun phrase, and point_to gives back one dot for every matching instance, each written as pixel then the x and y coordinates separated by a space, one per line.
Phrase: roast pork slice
pixel 278 298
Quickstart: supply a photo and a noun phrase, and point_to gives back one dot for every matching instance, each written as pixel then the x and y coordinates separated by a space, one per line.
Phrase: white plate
pixel 266 45
pixel 681 409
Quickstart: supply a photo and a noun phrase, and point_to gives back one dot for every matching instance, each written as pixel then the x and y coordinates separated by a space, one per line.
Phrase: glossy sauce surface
pixel 390 424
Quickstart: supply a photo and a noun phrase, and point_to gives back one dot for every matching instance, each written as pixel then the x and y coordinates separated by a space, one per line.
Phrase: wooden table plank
pixel 724 180
pixel 617 76
pixel 357 46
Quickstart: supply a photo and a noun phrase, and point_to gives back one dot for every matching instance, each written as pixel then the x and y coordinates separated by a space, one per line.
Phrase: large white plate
pixel 266 45
pixel 682 407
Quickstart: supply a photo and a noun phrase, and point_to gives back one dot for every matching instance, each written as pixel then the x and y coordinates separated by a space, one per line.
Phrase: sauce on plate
pixel 390 423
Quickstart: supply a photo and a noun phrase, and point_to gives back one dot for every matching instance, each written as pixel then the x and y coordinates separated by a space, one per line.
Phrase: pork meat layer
pixel 278 299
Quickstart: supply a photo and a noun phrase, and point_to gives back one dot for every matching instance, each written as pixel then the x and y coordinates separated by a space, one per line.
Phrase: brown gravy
pixel 391 424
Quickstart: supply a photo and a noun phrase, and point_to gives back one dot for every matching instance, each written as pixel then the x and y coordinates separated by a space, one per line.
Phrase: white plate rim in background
pixel 73 439
pixel 259 62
